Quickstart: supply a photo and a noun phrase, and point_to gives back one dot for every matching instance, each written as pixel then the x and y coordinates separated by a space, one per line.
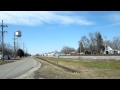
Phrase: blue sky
pixel 46 31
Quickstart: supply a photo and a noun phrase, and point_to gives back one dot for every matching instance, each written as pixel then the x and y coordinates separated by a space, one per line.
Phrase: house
pixel 51 54
pixel 73 53
pixel 109 50
pixel 45 54
pixel 61 54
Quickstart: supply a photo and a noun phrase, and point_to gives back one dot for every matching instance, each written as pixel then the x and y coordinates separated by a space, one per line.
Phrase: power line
pixel 3 39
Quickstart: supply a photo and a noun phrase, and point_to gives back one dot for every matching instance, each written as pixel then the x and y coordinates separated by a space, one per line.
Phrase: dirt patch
pixel 61 66
pixel 50 71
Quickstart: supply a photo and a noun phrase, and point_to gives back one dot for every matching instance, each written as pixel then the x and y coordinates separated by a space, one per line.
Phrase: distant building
pixel 45 54
pixel 51 54
pixel 61 54
pixel 37 54
pixel 109 50
pixel 73 53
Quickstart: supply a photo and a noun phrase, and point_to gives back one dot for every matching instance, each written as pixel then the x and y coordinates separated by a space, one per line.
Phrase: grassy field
pixel 61 68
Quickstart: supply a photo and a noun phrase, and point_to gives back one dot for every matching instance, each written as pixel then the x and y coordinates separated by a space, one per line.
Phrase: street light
pixel 3 39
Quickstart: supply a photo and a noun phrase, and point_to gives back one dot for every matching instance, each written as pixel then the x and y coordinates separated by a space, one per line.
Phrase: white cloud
pixel 108 26
pixel 115 17
pixel 40 17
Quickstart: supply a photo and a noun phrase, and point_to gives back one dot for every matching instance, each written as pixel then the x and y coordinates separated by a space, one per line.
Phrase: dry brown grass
pixel 50 71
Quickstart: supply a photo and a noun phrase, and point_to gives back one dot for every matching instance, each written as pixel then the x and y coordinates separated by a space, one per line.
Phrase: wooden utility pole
pixel 3 39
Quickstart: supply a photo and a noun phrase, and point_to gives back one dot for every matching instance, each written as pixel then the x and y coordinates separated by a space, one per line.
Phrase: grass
pixel 100 64
pixel 4 62
pixel 86 68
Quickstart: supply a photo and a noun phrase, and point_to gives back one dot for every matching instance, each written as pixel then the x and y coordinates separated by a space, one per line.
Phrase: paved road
pixel 10 70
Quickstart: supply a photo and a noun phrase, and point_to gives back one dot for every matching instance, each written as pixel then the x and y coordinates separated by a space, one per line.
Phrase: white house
pixel 51 54
pixel 45 54
pixel 109 50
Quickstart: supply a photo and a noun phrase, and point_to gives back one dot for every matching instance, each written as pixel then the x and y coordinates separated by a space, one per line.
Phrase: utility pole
pixel 23 45
pixel 79 48
pixel 14 47
pixel 105 43
pixel 23 48
pixel 3 39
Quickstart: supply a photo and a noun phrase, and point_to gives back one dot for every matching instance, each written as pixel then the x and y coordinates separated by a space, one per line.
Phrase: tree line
pixel 9 50
pixel 94 43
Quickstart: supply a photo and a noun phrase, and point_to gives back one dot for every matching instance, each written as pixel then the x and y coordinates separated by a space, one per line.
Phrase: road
pixel 14 69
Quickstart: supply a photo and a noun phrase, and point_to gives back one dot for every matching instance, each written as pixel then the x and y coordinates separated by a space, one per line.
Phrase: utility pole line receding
pixel 3 39
pixel 24 48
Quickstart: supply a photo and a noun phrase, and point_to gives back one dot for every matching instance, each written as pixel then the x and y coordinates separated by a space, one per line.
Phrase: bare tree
pixel 67 49
pixel 96 42
pixel 116 43
pixel 109 43
pixel 8 48
pixel 86 42
pixel 93 43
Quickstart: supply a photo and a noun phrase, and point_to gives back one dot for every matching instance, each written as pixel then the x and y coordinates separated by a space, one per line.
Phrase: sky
pixel 46 31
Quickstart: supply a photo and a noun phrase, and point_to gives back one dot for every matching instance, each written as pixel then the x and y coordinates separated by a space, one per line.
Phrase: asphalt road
pixel 11 70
